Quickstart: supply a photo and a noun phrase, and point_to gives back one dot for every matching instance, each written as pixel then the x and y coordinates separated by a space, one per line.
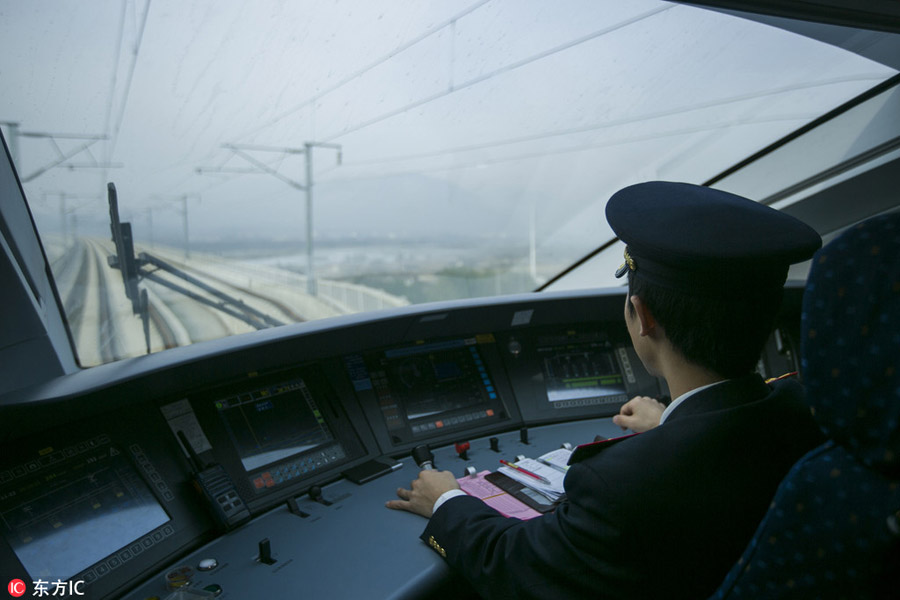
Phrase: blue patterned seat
pixel 833 529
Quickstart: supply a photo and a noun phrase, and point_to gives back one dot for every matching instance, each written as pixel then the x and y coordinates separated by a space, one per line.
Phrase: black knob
pixel 423 457
pixel 495 444
pixel 523 435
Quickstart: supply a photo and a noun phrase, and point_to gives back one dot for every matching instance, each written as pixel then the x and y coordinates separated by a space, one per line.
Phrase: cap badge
pixel 626 266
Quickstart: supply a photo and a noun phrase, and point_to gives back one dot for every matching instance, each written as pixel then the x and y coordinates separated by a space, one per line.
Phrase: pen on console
pixel 526 471
pixel 550 464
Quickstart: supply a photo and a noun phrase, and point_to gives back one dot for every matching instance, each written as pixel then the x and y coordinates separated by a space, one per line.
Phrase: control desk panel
pixel 223 463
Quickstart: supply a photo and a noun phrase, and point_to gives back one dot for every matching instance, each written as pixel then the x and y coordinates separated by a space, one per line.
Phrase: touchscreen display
pixel 580 372
pixel 428 388
pixel 273 423
pixel 71 507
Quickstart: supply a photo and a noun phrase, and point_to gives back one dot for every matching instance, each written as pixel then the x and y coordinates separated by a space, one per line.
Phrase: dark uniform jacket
pixel 663 514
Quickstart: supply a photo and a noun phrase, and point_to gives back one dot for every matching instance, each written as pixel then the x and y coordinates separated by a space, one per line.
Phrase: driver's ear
pixel 644 316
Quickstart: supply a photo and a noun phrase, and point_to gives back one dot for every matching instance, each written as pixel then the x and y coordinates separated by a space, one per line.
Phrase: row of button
pixel 591 401
pixel 117 560
pixel 296 468
pixel 474 416
pixel 626 366
pixel 33 466
pixel 485 379
pixel 158 482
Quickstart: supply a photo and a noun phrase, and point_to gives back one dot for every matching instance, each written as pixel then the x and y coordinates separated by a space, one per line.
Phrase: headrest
pixel 701 240
pixel 850 342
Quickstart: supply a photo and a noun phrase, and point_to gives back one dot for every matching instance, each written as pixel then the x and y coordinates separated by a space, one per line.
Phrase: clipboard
pixel 522 493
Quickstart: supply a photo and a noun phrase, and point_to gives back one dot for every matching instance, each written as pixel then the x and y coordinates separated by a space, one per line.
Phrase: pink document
pixel 476 485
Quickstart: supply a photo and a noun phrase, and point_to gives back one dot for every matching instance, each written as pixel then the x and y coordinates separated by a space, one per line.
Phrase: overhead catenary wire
pixel 357 74
pixel 585 129
pixel 499 71
pixel 504 69
pixel 114 77
pixel 616 122
pixel 453 88
pixel 114 134
pixel 574 149
pixel 366 68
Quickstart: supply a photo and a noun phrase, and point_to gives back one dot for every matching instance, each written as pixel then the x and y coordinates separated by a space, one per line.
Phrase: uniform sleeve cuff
pixel 446 496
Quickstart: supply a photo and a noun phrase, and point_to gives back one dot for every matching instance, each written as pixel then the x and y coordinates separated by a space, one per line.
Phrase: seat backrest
pixel 833 529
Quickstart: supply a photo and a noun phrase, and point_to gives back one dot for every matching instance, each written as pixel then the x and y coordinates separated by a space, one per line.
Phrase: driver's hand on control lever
pixel 640 414
pixel 424 492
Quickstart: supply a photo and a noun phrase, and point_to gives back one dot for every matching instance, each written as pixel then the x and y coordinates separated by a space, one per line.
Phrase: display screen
pixel 581 371
pixel 273 423
pixel 427 388
pixel 71 507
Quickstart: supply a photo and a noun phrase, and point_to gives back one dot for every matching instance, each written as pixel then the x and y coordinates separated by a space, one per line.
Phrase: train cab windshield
pixel 277 162
pixel 261 261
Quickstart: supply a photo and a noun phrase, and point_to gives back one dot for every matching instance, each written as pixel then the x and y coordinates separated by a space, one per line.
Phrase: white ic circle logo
pixel 16 588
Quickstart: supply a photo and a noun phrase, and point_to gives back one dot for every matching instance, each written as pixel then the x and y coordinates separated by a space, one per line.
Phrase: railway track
pixel 106 329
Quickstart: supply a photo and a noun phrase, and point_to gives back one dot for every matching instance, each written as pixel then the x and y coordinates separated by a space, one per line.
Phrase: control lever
pixel 315 492
pixel 462 449
pixel 423 457
pixel 295 509
pixel 265 552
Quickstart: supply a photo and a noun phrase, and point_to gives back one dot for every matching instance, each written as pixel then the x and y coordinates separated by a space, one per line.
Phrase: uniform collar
pixel 674 404
pixel 729 393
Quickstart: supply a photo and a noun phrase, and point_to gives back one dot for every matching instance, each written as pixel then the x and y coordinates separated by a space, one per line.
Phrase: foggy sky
pixel 448 125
